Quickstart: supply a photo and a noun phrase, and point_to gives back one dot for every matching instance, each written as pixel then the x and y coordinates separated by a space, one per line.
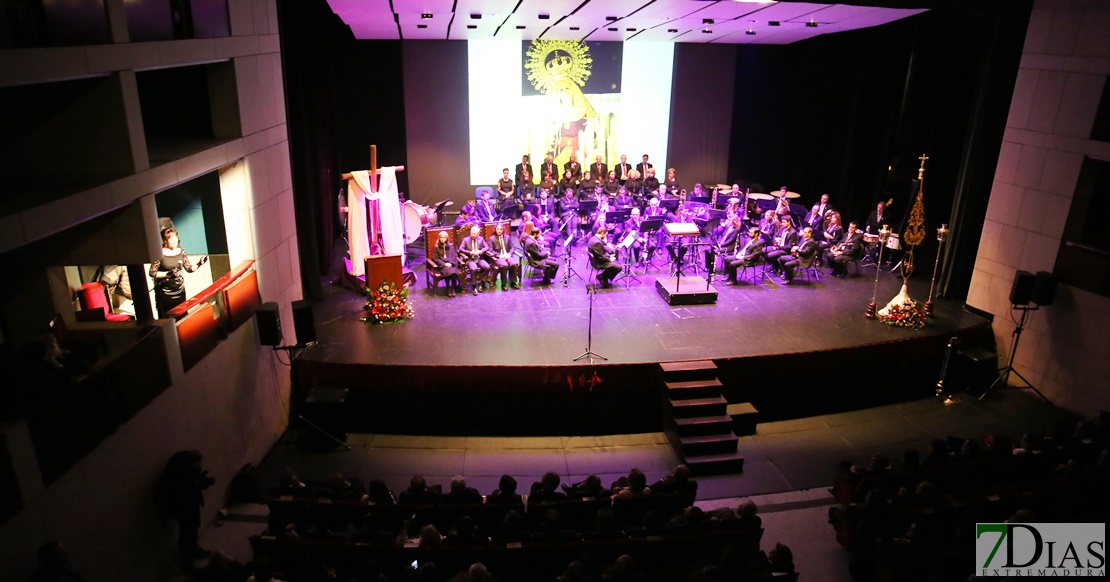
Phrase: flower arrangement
pixel 903 315
pixel 388 304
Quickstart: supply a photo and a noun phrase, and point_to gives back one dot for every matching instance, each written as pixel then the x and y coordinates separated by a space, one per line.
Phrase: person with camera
pixel 180 495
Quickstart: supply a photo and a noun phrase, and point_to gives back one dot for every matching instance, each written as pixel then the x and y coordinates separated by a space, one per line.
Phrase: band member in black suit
pixel 850 248
pixel 545 212
pixel 548 167
pixel 643 167
pixel 447 260
pixel 587 182
pixel 487 212
pixel 622 169
pixel 504 261
pixel 655 210
pixel 601 255
pixel 651 183
pixel 727 235
pixel 567 207
pixel 599 169
pixel 815 219
pixel 782 204
pixel 746 257
pixel 568 181
pixel 538 255
pixel 833 232
pixel 623 200
pixel 506 188
pixel 545 234
pixel 573 167
pixel 877 218
pixel 785 239
pixel 524 164
pixel 467 215
pixel 474 249
pixel 823 205
pixel 768 225
pixel 801 255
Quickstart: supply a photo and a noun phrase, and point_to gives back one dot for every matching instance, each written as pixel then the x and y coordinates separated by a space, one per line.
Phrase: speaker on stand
pixel 268 317
pixel 325 416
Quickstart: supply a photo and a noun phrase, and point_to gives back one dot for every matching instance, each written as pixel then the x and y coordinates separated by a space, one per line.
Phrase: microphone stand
pixel 568 263
pixel 591 290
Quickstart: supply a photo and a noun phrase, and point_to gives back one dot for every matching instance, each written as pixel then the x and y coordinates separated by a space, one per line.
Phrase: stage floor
pixel 548 325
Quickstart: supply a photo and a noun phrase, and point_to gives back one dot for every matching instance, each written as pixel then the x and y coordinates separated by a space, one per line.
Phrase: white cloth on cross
pixel 389 207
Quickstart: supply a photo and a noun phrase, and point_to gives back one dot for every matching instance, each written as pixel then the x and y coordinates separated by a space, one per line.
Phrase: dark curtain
pixel 701 113
pixel 850 113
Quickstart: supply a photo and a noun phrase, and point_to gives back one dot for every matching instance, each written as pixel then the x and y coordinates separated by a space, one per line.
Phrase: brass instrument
pixel 713 201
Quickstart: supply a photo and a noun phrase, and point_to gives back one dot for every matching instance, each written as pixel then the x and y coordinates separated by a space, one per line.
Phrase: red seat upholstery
pixel 95 302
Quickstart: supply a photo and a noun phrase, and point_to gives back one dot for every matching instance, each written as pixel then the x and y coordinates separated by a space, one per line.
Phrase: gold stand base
pixel 929 308
pixel 872 310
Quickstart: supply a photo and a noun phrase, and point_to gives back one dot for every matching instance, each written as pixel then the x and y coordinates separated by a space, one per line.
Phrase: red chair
pixel 95 305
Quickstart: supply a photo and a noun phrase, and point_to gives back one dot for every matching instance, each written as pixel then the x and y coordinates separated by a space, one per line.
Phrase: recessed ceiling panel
pixel 413 27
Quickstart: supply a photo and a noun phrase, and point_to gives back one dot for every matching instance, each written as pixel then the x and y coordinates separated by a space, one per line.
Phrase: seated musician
pixel 782 207
pixel 568 181
pixel 833 232
pixel 698 191
pixel 487 212
pixel 602 211
pixel 733 207
pixel 538 255
pixel 447 260
pixel 651 183
pixel 671 181
pixel 815 219
pixel 728 233
pixel 505 187
pixel 567 207
pixel 623 200
pixel 785 239
pixel 474 250
pixel 526 188
pixel 655 210
pixel 601 258
pixel 587 183
pixel 635 187
pixel 746 256
pixel 612 184
pixel 466 214
pixel 545 232
pixel 633 225
pixel 801 255
pixel 504 261
pixel 768 225
pixel 661 192
pixel 848 249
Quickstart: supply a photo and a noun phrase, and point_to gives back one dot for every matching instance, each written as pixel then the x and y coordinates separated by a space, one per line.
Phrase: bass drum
pixel 894 243
pixel 416 218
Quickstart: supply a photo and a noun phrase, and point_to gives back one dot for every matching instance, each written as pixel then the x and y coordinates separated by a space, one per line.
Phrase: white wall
pixel 1065 62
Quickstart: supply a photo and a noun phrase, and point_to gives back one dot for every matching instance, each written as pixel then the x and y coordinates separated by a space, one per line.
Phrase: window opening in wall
pixel 1084 257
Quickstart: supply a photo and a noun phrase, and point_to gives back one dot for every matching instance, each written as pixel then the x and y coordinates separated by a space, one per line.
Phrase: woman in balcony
pixel 169 283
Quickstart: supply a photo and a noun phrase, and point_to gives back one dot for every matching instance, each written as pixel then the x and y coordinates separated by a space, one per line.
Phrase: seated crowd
pixel 343 529
pixel 916 521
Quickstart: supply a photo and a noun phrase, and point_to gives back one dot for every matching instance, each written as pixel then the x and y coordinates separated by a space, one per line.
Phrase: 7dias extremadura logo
pixel 1040 549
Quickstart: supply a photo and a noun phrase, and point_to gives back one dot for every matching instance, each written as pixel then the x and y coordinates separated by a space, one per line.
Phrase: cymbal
pixel 760 196
pixel 791 195
pixel 724 186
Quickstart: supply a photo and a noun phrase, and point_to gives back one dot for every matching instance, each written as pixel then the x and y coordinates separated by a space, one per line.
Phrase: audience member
pixel 505 494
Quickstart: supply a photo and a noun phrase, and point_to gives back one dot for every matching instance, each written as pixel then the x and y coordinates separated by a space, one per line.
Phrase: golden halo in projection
pixel 551 62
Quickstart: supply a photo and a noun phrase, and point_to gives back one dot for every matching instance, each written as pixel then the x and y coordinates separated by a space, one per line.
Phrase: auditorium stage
pixel 792 350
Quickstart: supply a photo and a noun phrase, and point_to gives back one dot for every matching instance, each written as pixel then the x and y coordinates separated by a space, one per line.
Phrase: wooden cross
pixel 921 170
pixel 374 170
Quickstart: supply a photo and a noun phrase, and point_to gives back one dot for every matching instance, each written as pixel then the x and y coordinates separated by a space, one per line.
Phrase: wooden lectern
pixel 383 268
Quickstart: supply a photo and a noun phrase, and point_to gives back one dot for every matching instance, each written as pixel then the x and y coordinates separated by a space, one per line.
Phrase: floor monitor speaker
pixel 303 322
pixel 269 324
pixel 1022 290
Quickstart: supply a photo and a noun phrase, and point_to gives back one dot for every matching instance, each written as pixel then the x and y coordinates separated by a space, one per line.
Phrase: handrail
pixel 211 291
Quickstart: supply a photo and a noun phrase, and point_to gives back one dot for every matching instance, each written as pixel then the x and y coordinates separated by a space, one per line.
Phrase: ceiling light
pixel 520 27
pixel 472 26
pixel 774 23
pixel 574 28
pixel 475 16
pixel 630 30
pixel 613 29
pixel 421 26
pixel 707 21
pixel 811 24
pixel 750 32
pixel 672 30
pixel 544 16
pixel 426 16
pixel 706 31
pixel 611 18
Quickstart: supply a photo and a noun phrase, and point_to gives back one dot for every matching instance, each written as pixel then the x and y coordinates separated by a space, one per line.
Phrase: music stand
pixel 648 228
pixel 568 263
pixel 508 209
pixel 618 216
pixel 591 290
pixel 700 199
pixel 626 268
pixel 670 204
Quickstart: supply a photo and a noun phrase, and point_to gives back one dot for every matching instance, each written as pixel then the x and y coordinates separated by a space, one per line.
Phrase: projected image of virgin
pixel 571 100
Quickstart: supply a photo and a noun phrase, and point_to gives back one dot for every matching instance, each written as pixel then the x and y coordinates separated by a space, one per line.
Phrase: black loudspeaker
pixel 976 369
pixel 303 322
pixel 269 324
pixel 1044 289
pixel 1022 290
pixel 326 409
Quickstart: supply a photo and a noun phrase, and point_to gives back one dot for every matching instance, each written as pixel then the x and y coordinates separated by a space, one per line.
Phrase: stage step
pixel 744 417
pixel 714 444
pixel 695 370
pixel 693 407
pixel 704 425
pixel 708 465
pixel 693 389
